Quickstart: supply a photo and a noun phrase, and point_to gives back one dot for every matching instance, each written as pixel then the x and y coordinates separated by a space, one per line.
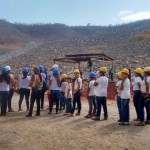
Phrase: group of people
pixel 66 91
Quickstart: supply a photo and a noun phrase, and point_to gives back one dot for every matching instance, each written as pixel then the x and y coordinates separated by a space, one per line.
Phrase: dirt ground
pixel 59 132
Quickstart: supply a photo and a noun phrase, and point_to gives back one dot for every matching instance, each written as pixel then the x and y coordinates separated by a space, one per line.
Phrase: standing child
pixel 62 91
pixel 77 92
pixel 118 92
pixel 101 85
pixel 68 95
pixel 125 97
pixel 24 88
pixel 91 96
pixel 137 92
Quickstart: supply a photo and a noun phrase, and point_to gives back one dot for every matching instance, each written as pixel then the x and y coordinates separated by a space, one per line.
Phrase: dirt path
pixel 58 132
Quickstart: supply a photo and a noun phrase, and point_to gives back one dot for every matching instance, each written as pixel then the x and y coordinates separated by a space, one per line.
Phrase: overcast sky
pixel 75 12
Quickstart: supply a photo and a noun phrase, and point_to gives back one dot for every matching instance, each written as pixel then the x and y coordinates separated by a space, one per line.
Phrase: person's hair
pixel 25 74
pixel 4 77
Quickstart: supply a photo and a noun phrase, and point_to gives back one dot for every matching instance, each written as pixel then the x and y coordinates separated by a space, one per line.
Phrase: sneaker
pixel 10 110
pixel 140 124
pixel 49 113
pixel 88 116
pixel 121 123
pixel 42 109
pixel 96 119
pixel 37 114
pixel 119 120
pixel 147 122
pixel 66 114
pixel 28 115
pixel 126 123
pixel 94 114
pixel 136 119
pixel 105 118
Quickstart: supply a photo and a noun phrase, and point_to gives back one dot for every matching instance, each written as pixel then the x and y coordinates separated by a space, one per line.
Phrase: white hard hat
pixel 55 66
pixel 8 67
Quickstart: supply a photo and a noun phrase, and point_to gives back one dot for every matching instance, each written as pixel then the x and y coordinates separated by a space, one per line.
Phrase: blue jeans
pixel 62 100
pixel 54 97
pixel 3 101
pixel 146 104
pixel 68 105
pixel 26 93
pixel 119 106
pixel 101 101
pixel 125 110
pixel 136 101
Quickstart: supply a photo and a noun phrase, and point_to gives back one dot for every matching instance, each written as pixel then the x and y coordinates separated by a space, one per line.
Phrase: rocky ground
pixel 59 132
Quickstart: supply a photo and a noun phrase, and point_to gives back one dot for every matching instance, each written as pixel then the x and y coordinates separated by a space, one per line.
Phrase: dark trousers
pixel 62 100
pixel 35 95
pixel 92 105
pixel 101 101
pixel 77 99
pixel 125 112
pixel 42 98
pixel 146 104
pixel 54 97
pixel 3 101
pixel 119 106
pixel 24 93
pixel 11 93
pixel 136 101
pixel 68 105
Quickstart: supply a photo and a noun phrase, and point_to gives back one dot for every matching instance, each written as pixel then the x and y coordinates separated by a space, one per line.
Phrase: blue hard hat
pixel 5 69
pixel 55 71
pixel 41 67
pixel 92 74
pixel 25 70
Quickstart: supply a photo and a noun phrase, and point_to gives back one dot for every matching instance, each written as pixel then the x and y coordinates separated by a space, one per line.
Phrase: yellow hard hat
pixel 119 74
pixel 125 71
pixel 76 71
pixel 63 76
pixel 146 69
pixel 138 70
pixel 103 69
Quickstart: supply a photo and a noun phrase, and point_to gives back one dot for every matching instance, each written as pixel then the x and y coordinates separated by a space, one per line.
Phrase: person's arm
pixel 147 88
pixel 31 81
pixel 58 81
pixel 78 86
pixel 13 83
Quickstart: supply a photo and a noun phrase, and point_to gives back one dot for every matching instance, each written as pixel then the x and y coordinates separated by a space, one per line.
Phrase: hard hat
pixel 146 69
pixel 25 70
pixel 5 69
pixel 92 74
pixel 76 71
pixel 103 69
pixel 63 76
pixel 55 71
pixel 8 67
pixel 125 71
pixel 119 74
pixel 54 66
pixel 41 67
pixel 138 70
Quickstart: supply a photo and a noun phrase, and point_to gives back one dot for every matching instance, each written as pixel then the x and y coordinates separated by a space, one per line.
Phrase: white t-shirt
pixel 143 85
pixel 63 86
pixel 101 88
pixel 118 85
pixel 78 80
pixel 92 88
pixel 24 83
pixel 54 85
pixel 4 86
pixel 135 83
pixel 125 93
pixel 69 86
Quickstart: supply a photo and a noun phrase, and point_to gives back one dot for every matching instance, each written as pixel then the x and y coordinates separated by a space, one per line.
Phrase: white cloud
pixel 129 16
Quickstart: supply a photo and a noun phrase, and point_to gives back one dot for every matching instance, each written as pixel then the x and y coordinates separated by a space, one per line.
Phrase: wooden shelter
pixel 78 58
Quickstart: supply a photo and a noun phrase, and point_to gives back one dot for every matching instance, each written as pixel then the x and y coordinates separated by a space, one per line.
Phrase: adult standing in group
pixel 101 85
pixel 77 92
pixel 145 98
pixel 24 88
pixel 54 84
pixel 36 83
pixel 11 89
pixel 5 81
pixel 137 92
